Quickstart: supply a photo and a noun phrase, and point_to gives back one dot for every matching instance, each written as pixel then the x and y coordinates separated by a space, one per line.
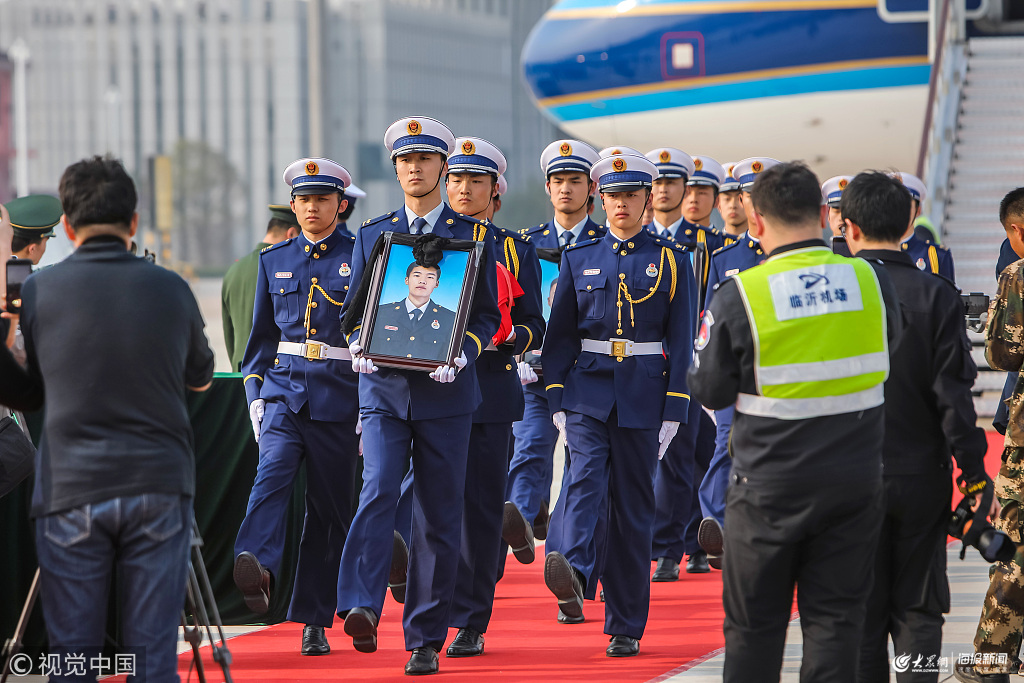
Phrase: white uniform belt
pixel 313 350
pixel 621 348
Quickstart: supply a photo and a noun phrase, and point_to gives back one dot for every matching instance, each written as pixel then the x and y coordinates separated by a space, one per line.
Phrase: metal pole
pixel 314 31
pixel 19 54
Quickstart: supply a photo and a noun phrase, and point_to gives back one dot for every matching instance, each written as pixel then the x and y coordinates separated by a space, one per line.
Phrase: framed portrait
pixel 419 299
pixel 549 260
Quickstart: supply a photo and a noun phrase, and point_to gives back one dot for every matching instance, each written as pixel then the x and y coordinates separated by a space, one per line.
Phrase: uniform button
pixel 619 359
pixel 588 287
pixel 408 355
pixel 508 367
pixel 623 252
pixel 412 338
pixel 622 276
pixel 615 245
pixel 630 245
pixel 312 331
pixel 313 281
pixel 346 286
pixel 276 361
pixel 307 248
pixel 652 289
pixel 323 247
pixel 316 255
pixel 282 290
pixel 314 303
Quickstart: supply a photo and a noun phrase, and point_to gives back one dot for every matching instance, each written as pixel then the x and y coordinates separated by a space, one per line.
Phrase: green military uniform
pixel 238 291
pixel 1002 616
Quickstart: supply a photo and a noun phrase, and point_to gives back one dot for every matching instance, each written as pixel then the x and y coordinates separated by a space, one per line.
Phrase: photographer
pixel 17 389
pixel 116 341
pixel 1002 615
pixel 929 412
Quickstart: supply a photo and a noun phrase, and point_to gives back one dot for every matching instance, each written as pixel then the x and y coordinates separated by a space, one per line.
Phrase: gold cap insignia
pixel 757 167
pixel 565 150
pixel 698 164
pixel 619 165
pixel 414 127
pixel 898 176
pixel 468 147
pixel 665 157
pixel 843 183
pixel 312 168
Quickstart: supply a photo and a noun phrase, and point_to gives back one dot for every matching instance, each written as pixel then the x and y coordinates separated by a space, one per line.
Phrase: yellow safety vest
pixel 819 329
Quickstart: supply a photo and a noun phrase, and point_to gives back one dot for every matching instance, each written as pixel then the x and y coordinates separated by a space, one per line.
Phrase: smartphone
pixel 18 270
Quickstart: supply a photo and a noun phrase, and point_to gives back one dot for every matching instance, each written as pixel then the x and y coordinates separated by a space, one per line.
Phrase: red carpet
pixel 524 642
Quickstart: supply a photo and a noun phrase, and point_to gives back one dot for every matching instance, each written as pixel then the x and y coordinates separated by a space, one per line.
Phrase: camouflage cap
pixel 34 215
pixel 283 212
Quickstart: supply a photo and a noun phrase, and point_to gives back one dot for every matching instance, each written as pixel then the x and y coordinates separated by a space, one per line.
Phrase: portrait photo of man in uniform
pixel 418 318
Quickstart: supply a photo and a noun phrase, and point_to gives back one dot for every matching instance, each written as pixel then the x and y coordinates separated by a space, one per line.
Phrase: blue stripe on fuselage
pixel 576 56
pixel 860 79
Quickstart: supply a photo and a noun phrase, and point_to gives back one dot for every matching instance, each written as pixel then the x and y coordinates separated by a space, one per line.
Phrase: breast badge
pixel 652 270
pixel 436 325
pixel 344 270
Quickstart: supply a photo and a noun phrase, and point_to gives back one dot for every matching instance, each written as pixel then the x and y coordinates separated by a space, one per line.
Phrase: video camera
pixel 975 305
pixel 974 530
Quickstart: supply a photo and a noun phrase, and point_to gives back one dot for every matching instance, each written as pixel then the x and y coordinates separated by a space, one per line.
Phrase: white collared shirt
pixel 575 230
pixel 660 229
pixel 430 218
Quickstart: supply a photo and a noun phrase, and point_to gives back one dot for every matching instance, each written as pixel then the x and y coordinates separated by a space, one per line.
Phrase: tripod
pixel 198 592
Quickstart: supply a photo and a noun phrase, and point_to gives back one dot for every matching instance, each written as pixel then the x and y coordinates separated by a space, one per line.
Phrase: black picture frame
pixel 425 353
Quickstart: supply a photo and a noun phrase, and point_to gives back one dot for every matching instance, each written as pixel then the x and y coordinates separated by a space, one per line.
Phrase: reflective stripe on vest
pixel 819 330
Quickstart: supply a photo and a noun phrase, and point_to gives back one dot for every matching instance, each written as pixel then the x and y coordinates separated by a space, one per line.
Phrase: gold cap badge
pixel 565 150
pixel 665 157
pixel 312 168
pixel 468 147
pixel 619 165
pixel 698 164
pixel 414 127
pixel 757 167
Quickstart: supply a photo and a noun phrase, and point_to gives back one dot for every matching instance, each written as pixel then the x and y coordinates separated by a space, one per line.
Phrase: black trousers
pixel 818 537
pixel 910 592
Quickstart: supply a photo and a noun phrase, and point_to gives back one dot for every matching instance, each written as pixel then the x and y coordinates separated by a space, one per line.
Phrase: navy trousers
pixel 716 481
pixel 612 466
pixel 532 466
pixel 330 451
pixel 439 451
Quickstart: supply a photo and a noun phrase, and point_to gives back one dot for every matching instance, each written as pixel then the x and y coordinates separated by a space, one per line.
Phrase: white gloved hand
pixel 665 436
pixel 446 373
pixel 256 409
pixel 359 364
pixel 526 373
pixel 558 419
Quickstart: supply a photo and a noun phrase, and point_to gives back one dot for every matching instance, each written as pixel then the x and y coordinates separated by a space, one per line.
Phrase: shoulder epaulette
pixel 728 246
pixel 264 250
pixel 663 242
pixel 505 232
pixel 585 243
pixel 378 219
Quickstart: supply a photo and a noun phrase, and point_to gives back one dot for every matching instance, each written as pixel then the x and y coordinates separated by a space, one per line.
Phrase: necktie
pixel 667 233
pixel 419 225
pixel 565 237
pixel 416 315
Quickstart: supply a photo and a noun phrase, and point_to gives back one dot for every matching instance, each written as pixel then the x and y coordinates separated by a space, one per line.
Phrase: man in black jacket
pixel 116 341
pixel 929 413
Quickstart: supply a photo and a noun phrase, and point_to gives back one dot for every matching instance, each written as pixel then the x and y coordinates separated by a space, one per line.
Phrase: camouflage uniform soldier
pixel 1002 616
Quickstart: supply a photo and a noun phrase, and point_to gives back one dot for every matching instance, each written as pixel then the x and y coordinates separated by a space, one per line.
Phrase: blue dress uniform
pixel 925 254
pixel 618 305
pixel 298 363
pixel 531 468
pixel 403 406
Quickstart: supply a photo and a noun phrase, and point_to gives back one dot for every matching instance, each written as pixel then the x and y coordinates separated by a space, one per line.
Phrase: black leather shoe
pixel 468 643
pixel 516 531
pixel 254 582
pixel 422 661
pixel 967 674
pixel 697 564
pixel 623 646
pixel 361 624
pixel 399 569
pixel 711 537
pixel 667 570
pixel 314 642
pixel 561 579
pixel 715 562
pixel 563 619
pixel 540 524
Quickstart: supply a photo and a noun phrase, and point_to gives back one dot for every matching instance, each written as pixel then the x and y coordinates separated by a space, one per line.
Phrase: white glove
pixel 665 436
pixel 446 373
pixel 256 409
pixel 359 364
pixel 559 421
pixel 526 373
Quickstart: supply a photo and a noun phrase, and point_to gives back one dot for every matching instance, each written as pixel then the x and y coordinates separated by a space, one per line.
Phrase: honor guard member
pixel 499 191
pixel 566 165
pixel 730 205
pixel 929 413
pixel 675 491
pixel 925 254
pixel 238 291
pixel 744 253
pixel 831 194
pixel 352 193
pixel 431 411
pixel 701 197
pixel 622 303
pixel 302 401
pixel 800 345
pixel 473 173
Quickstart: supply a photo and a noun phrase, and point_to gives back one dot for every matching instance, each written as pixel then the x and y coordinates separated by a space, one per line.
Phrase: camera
pixel 975 305
pixel 974 530
pixel 18 270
